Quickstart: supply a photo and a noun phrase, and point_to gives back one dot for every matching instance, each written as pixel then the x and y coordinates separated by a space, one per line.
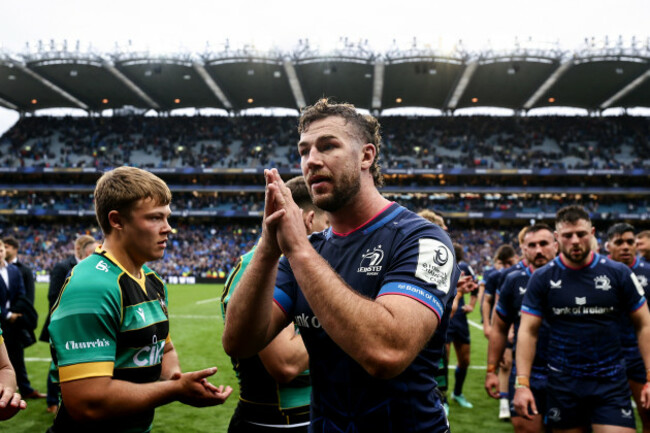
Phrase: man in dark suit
pixel 11 249
pixel 83 247
pixel 11 289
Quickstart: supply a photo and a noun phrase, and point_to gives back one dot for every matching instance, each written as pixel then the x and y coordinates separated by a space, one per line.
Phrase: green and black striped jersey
pixel 108 322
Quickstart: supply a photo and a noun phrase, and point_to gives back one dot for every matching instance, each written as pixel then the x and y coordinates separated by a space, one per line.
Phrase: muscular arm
pixel 98 398
pixel 380 349
pixel 641 320
pixel 285 357
pixel 252 318
pixel 527 343
pixel 486 309
pixel 496 346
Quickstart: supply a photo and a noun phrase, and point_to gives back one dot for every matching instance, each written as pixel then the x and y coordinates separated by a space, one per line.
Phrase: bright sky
pixel 188 25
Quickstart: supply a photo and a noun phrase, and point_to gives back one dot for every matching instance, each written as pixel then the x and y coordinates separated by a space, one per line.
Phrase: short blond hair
pixel 81 243
pixel 120 189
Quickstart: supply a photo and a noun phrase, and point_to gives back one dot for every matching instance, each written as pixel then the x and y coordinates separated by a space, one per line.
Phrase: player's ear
pixel 368 152
pixel 308 218
pixel 115 220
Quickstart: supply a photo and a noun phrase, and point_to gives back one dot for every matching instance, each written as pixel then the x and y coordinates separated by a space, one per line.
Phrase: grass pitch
pixel 196 328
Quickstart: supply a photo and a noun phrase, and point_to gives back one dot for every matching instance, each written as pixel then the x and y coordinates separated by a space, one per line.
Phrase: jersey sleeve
pixel 84 327
pixel 286 288
pixel 492 283
pixel 505 306
pixel 534 299
pixel 423 268
pixel 633 292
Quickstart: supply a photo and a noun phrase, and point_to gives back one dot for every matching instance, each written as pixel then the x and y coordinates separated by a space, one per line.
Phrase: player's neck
pixel 577 265
pixel 126 260
pixel 358 212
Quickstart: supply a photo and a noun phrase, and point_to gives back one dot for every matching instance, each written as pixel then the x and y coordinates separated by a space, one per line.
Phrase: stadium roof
pixel 593 78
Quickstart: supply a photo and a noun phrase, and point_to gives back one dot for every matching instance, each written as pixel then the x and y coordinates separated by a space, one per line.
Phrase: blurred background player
pixel 539 247
pixel 506 257
pixel 11 248
pixel 84 246
pixel 643 244
pixel 12 293
pixel 274 384
pixel 621 246
pixel 582 295
pixel 458 332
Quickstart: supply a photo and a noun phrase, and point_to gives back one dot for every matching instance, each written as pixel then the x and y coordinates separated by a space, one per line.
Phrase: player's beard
pixel 577 259
pixel 343 192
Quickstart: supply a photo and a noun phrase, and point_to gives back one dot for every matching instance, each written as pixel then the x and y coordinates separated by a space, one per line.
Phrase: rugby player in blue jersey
pixel 538 247
pixel 622 248
pixel 508 260
pixel 582 296
pixel 371 294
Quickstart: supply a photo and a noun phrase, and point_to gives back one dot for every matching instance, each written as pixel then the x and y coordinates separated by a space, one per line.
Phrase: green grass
pixel 196 329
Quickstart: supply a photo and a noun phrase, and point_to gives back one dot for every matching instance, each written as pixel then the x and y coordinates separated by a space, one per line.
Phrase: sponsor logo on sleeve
pixel 82 345
pixel 435 264
pixel 642 280
pixel 637 284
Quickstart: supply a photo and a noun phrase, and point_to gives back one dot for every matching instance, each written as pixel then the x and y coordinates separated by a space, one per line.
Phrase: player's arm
pixel 370 331
pixel 171 367
pixel 496 346
pixel 486 308
pixel 641 320
pixel 10 402
pixel 252 318
pixel 286 356
pixel 98 398
pixel 525 354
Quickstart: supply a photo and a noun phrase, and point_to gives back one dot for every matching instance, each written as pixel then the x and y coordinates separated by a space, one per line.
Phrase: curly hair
pixel 367 127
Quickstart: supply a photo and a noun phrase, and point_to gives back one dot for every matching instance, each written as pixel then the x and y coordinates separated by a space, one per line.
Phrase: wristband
pixel 522 382
pixel 492 368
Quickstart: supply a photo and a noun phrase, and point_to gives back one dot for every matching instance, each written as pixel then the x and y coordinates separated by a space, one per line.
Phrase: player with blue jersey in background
pixel 621 246
pixel 582 295
pixel 538 247
pixel 371 294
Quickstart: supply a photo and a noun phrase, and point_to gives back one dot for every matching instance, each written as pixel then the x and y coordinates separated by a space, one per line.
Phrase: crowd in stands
pixel 211 250
pixel 409 142
pixel 254 202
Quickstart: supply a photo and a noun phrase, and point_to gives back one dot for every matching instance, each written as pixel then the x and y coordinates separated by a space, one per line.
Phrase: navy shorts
pixel 458 331
pixel 634 366
pixel 580 401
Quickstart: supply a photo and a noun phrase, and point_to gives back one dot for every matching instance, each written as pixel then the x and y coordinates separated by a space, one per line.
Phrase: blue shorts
pixel 634 366
pixel 458 331
pixel 579 401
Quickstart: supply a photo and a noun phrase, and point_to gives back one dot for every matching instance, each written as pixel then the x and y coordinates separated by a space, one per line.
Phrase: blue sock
pixel 460 375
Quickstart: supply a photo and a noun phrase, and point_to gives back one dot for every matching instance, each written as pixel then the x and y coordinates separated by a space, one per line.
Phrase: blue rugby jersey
pixel 583 308
pixel 495 279
pixel 628 334
pixel 396 253
pixel 460 314
pixel 508 308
